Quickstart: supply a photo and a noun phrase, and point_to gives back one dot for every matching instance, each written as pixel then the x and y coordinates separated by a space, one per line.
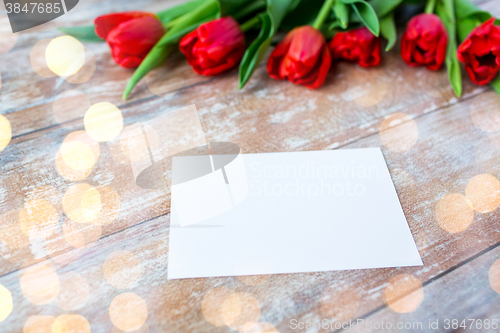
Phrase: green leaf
pixel 495 84
pixel 271 20
pixel 230 6
pixel 341 11
pixel 384 7
pixel 366 14
pixel 161 51
pixel 446 11
pixel 301 13
pixel 177 36
pixel 388 30
pixel 464 9
pixel 172 13
pixel 83 33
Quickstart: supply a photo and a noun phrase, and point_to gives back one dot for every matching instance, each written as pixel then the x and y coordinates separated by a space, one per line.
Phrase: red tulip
pixel 214 47
pixel 480 52
pixel 358 45
pixel 302 57
pixel 424 42
pixel 130 35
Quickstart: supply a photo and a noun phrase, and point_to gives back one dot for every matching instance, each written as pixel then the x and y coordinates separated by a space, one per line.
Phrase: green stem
pixel 429 6
pixel 250 24
pixel 323 13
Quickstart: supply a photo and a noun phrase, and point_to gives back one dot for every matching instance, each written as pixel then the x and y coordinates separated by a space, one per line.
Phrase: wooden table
pixel 435 146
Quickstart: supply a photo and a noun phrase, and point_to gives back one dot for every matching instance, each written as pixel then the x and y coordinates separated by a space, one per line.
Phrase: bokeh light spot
pixel 485 111
pixel 71 324
pixel 404 293
pixel 122 269
pixel 240 311
pixel 494 276
pixel 454 213
pixel 77 156
pixel 110 205
pixel 65 55
pixel 10 232
pixel 128 311
pixel 5 132
pixel 211 305
pixel 74 291
pixel 37 58
pixel 339 303
pixel 40 283
pixel 39 324
pixel 86 71
pixel 483 191
pixel 38 219
pixel 103 121
pixel 6 304
pixel 82 203
pixel 399 132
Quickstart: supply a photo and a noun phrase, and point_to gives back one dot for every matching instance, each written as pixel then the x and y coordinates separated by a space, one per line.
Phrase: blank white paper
pixel 289 213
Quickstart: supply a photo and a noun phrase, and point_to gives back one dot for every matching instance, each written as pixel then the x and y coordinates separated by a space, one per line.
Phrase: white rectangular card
pixel 288 213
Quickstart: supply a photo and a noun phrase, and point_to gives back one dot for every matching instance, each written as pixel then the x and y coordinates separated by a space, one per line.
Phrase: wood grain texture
pixel 266 116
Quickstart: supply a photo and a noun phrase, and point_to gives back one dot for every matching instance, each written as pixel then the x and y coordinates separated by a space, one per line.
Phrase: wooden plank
pixel 434 168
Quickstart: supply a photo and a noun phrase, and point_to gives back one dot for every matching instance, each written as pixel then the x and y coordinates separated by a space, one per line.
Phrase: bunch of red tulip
pixel 209 34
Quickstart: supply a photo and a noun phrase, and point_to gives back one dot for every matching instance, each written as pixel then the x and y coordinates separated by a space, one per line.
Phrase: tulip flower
pixel 358 45
pixel 214 47
pixel 480 52
pixel 424 42
pixel 302 57
pixel 130 35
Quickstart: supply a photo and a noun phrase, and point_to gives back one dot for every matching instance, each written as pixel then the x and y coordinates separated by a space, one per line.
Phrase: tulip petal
pixel 105 23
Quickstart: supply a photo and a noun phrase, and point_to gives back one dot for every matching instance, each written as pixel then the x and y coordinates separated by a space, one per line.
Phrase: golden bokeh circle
pixel 494 276
pixel 103 121
pixel 82 203
pixel 77 156
pixel 404 293
pixel 37 58
pixel 122 269
pixel 10 232
pixel 8 39
pixel 365 90
pixel 143 329
pixel 86 71
pixel 339 303
pixel 71 323
pixel 65 55
pixel 253 280
pixel 128 311
pixel 70 105
pixel 5 132
pixel 40 283
pixel 454 213
pixel 74 291
pixel 483 192
pixel 81 235
pixel 240 311
pixel 38 219
pixel 211 305
pixel 110 205
pixel 399 132
pixel 485 111
pixel 39 324
pixel 6 303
